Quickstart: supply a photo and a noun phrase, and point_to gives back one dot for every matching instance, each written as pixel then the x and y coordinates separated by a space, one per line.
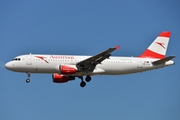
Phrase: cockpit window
pixel 16 59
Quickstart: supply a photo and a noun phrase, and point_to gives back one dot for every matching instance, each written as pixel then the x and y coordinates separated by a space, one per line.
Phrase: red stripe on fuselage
pixel 151 54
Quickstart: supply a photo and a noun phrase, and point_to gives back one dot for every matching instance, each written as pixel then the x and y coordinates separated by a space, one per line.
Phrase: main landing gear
pixel 28 79
pixel 88 79
pixel 83 84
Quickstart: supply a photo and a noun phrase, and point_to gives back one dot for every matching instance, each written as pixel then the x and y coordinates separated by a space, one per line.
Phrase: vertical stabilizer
pixel 159 46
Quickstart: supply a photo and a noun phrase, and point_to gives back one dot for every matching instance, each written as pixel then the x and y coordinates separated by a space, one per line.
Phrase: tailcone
pixel 170 62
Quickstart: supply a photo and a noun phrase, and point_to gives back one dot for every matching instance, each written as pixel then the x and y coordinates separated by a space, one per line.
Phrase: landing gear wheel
pixel 27 80
pixel 88 79
pixel 83 84
pixel 28 75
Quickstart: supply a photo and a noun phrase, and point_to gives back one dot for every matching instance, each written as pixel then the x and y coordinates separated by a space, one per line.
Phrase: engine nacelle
pixel 66 69
pixel 58 78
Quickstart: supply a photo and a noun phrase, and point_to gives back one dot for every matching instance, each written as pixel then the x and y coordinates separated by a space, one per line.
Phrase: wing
pixel 90 63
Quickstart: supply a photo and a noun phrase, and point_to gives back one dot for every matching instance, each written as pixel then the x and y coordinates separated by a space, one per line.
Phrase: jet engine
pixel 58 78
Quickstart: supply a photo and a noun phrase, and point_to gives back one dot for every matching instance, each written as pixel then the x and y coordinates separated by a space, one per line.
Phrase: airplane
pixel 66 68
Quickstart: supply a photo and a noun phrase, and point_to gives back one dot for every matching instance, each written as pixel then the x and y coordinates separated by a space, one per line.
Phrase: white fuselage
pixel 37 63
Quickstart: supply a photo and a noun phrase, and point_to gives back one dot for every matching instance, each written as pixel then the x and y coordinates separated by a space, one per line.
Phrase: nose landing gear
pixel 28 79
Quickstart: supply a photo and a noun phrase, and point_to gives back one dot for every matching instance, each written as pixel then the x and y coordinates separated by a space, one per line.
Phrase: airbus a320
pixel 66 68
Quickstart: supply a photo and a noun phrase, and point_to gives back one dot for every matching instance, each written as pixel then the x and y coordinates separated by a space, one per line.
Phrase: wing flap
pixel 163 60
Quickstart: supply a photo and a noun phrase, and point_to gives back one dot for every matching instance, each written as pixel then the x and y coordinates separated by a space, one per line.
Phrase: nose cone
pixel 8 65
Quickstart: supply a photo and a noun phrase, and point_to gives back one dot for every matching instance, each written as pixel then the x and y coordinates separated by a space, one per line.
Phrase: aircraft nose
pixel 8 65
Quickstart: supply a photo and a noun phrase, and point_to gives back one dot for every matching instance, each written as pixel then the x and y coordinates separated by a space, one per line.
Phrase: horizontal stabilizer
pixel 163 60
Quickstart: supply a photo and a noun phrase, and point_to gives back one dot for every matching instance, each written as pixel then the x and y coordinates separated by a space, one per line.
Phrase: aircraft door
pixel 29 59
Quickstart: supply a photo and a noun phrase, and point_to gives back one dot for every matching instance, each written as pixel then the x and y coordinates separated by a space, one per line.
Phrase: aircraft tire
pixel 88 79
pixel 27 80
pixel 83 84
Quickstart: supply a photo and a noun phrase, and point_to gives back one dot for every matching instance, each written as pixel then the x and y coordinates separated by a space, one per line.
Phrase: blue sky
pixel 87 28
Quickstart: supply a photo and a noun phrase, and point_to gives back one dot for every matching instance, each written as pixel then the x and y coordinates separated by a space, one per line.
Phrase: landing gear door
pixel 29 59
pixel 139 63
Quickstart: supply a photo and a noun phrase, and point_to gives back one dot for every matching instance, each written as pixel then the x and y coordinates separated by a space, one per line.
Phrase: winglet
pixel 117 47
